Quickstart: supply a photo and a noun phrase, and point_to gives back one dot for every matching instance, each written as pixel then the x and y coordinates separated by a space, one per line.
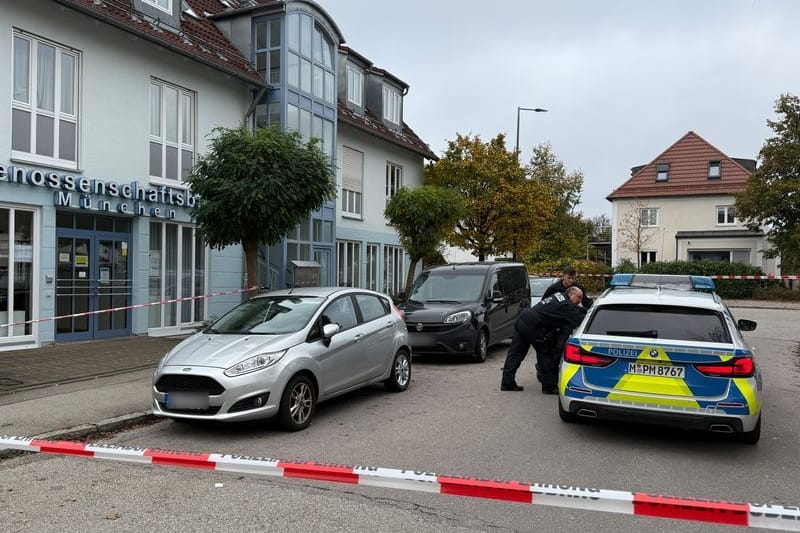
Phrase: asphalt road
pixel 452 420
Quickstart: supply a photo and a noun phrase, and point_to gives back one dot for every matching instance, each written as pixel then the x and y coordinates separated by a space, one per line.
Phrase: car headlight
pixel 251 364
pixel 456 318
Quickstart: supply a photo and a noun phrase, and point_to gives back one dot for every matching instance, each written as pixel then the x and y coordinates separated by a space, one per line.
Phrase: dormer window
pixel 714 170
pixel 163 5
pixel 355 85
pixel 662 171
pixel 391 105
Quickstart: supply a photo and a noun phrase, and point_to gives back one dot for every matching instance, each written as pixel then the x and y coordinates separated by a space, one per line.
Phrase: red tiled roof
pixel 372 125
pixel 199 38
pixel 688 162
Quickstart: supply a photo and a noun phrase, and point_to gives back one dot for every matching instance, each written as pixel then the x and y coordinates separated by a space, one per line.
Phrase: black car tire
pixel 751 437
pixel 400 375
pixel 481 347
pixel 566 416
pixel 298 403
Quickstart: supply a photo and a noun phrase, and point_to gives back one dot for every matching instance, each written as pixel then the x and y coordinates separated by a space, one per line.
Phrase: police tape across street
pixel 768 516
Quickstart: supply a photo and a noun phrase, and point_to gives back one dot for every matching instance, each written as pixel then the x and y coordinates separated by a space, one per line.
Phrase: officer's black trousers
pixel 525 336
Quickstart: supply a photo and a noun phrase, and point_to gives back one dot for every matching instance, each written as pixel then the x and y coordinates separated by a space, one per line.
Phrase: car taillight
pixel 740 367
pixel 579 356
pixel 399 312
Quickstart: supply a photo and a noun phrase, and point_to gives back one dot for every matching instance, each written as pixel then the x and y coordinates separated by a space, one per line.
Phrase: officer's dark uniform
pixel 559 286
pixel 538 326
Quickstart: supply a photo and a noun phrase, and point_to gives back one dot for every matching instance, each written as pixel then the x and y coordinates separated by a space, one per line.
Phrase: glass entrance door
pixel 92 275
pixel 323 257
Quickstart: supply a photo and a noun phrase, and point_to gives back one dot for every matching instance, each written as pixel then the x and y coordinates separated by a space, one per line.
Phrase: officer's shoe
pixel 512 387
pixel 549 390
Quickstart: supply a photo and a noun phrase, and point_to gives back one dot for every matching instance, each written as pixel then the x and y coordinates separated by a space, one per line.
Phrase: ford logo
pixel 419 326
pixel 653 353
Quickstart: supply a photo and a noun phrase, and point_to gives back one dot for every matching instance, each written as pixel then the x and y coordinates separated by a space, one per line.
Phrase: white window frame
pixel 648 214
pixel 650 257
pixel 393 269
pixel 729 214
pixel 662 171
pixel 56 114
pixel 158 5
pixel 392 103
pixel 348 262
pixel 352 204
pixel 714 165
pixel 394 179
pixel 14 336
pixel 161 137
pixel 372 265
pixel 355 85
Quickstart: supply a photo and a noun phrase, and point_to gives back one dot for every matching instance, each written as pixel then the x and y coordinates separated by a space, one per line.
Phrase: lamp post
pixel 519 109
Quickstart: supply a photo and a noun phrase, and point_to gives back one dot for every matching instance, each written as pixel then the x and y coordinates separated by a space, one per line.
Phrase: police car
pixel 665 350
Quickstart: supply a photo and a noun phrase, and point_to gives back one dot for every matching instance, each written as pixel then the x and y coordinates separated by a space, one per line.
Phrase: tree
pixel 423 217
pixel 631 234
pixel 526 208
pixel 771 201
pixel 566 232
pixel 256 186
pixel 490 182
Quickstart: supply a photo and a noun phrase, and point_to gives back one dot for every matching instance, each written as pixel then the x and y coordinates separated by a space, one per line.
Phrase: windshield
pixel 447 287
pixel 271 315
pixel 539 285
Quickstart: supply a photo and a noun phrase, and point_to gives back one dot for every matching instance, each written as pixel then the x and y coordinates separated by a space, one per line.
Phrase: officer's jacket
pixel 553 313
pixel 558 286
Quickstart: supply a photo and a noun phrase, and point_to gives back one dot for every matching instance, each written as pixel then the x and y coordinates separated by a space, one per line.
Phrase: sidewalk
pixel 74 390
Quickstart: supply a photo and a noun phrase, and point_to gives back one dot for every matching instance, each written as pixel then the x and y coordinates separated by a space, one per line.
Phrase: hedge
pixel 740 288
pixel 592 284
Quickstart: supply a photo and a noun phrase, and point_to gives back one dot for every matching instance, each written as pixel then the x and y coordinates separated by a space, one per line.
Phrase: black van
pixel 463 308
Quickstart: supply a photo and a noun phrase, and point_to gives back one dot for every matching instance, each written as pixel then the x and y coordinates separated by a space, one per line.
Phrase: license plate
pixel 647 369
pixel 186 400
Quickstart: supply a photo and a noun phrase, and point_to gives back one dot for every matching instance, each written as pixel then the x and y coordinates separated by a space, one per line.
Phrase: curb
pixel 86 430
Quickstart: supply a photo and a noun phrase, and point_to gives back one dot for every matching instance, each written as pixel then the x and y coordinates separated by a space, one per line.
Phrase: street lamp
pixel 535 110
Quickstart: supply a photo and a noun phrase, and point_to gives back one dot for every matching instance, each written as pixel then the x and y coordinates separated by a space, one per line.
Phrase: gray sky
pixel 622 80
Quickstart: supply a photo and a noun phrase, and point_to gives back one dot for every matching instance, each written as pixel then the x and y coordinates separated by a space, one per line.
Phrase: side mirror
pixel 328 331
pixel 746 325
pixel 497 296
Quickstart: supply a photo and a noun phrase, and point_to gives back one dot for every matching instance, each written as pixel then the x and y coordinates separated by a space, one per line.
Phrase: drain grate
pixel 8 382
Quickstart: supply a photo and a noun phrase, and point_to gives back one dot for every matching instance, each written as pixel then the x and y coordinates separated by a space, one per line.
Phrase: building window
pixel 44 106
pixel 394 180
pixel 647 257
pixel 372 267
pixel 355 85
pixel 648 217
pixel 352 181
pixel 391 105
pixel 16 270
pixel 310 58
pixel 309 125
pixel 172 120
pixel 726 215
pixel 163 5
pixel 177 269
pixel 662 171
pixel 714 170
pixel 268 49
pixel 393 277
pixel 348 273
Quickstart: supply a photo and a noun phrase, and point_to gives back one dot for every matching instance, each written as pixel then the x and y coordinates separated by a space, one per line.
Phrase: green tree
pixel 256 186
pixel 566 232
pixel 772 198
pixel 496 199
pixel 423 217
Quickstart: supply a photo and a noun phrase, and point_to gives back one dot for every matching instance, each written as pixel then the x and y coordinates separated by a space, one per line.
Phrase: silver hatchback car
pixel 280 353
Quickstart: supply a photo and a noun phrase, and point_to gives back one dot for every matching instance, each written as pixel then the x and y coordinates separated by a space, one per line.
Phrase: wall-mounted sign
pixel 81 260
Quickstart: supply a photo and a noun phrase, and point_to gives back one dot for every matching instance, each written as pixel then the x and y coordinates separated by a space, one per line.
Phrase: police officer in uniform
pixel 539 326
pixel 568 280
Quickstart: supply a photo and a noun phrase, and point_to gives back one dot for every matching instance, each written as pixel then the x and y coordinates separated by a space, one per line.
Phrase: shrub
pixel 593 284
pixel 734 288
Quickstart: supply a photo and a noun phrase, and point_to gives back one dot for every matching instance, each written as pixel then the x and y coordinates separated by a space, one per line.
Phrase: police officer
pixel 568 280
pixel 539 326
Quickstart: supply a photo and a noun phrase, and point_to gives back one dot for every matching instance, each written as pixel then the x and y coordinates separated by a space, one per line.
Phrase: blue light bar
pixel 665 281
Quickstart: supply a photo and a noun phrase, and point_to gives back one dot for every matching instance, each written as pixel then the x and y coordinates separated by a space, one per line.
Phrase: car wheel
pixel 297 403
pixel 481 347
pixel 565 416
pixel 751 437
pixel 400 376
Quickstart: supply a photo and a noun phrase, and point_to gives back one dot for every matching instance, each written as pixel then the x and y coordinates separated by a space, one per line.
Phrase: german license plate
pixel 647 369
pixel 186 400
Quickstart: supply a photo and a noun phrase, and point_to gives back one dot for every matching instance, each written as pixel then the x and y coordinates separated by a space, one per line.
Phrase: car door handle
pixel 358 337
pixel 390 324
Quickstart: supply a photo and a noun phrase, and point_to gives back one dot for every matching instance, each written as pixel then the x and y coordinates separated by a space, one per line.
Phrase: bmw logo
pixel 653 353
pixel 419 326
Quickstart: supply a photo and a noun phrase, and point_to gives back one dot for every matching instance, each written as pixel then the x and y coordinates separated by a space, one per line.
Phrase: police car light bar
pixel 665 281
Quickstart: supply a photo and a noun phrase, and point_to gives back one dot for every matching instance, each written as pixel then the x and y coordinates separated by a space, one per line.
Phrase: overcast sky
pixel 622 80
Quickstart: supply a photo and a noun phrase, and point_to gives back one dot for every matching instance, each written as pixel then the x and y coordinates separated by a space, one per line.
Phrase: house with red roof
pixel 680 206
pixel 109 104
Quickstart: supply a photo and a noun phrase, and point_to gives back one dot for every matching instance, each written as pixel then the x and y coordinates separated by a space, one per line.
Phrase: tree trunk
pixel 410 276
pixel 251 260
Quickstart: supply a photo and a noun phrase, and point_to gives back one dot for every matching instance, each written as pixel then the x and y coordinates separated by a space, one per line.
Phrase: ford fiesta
pixel 281 353
pixel 656 349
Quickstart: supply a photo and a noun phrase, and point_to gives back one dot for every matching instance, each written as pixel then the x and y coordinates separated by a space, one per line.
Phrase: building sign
pixel 85 193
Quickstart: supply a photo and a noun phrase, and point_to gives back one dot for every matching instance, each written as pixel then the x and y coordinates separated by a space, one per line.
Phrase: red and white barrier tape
pixel 767 516
pixel 126 307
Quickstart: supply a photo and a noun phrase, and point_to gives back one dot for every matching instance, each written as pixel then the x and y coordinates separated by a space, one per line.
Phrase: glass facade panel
pixel 187 253
pixel 22 51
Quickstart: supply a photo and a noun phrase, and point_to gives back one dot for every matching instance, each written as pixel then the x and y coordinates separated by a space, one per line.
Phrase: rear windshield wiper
pixel 652 333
